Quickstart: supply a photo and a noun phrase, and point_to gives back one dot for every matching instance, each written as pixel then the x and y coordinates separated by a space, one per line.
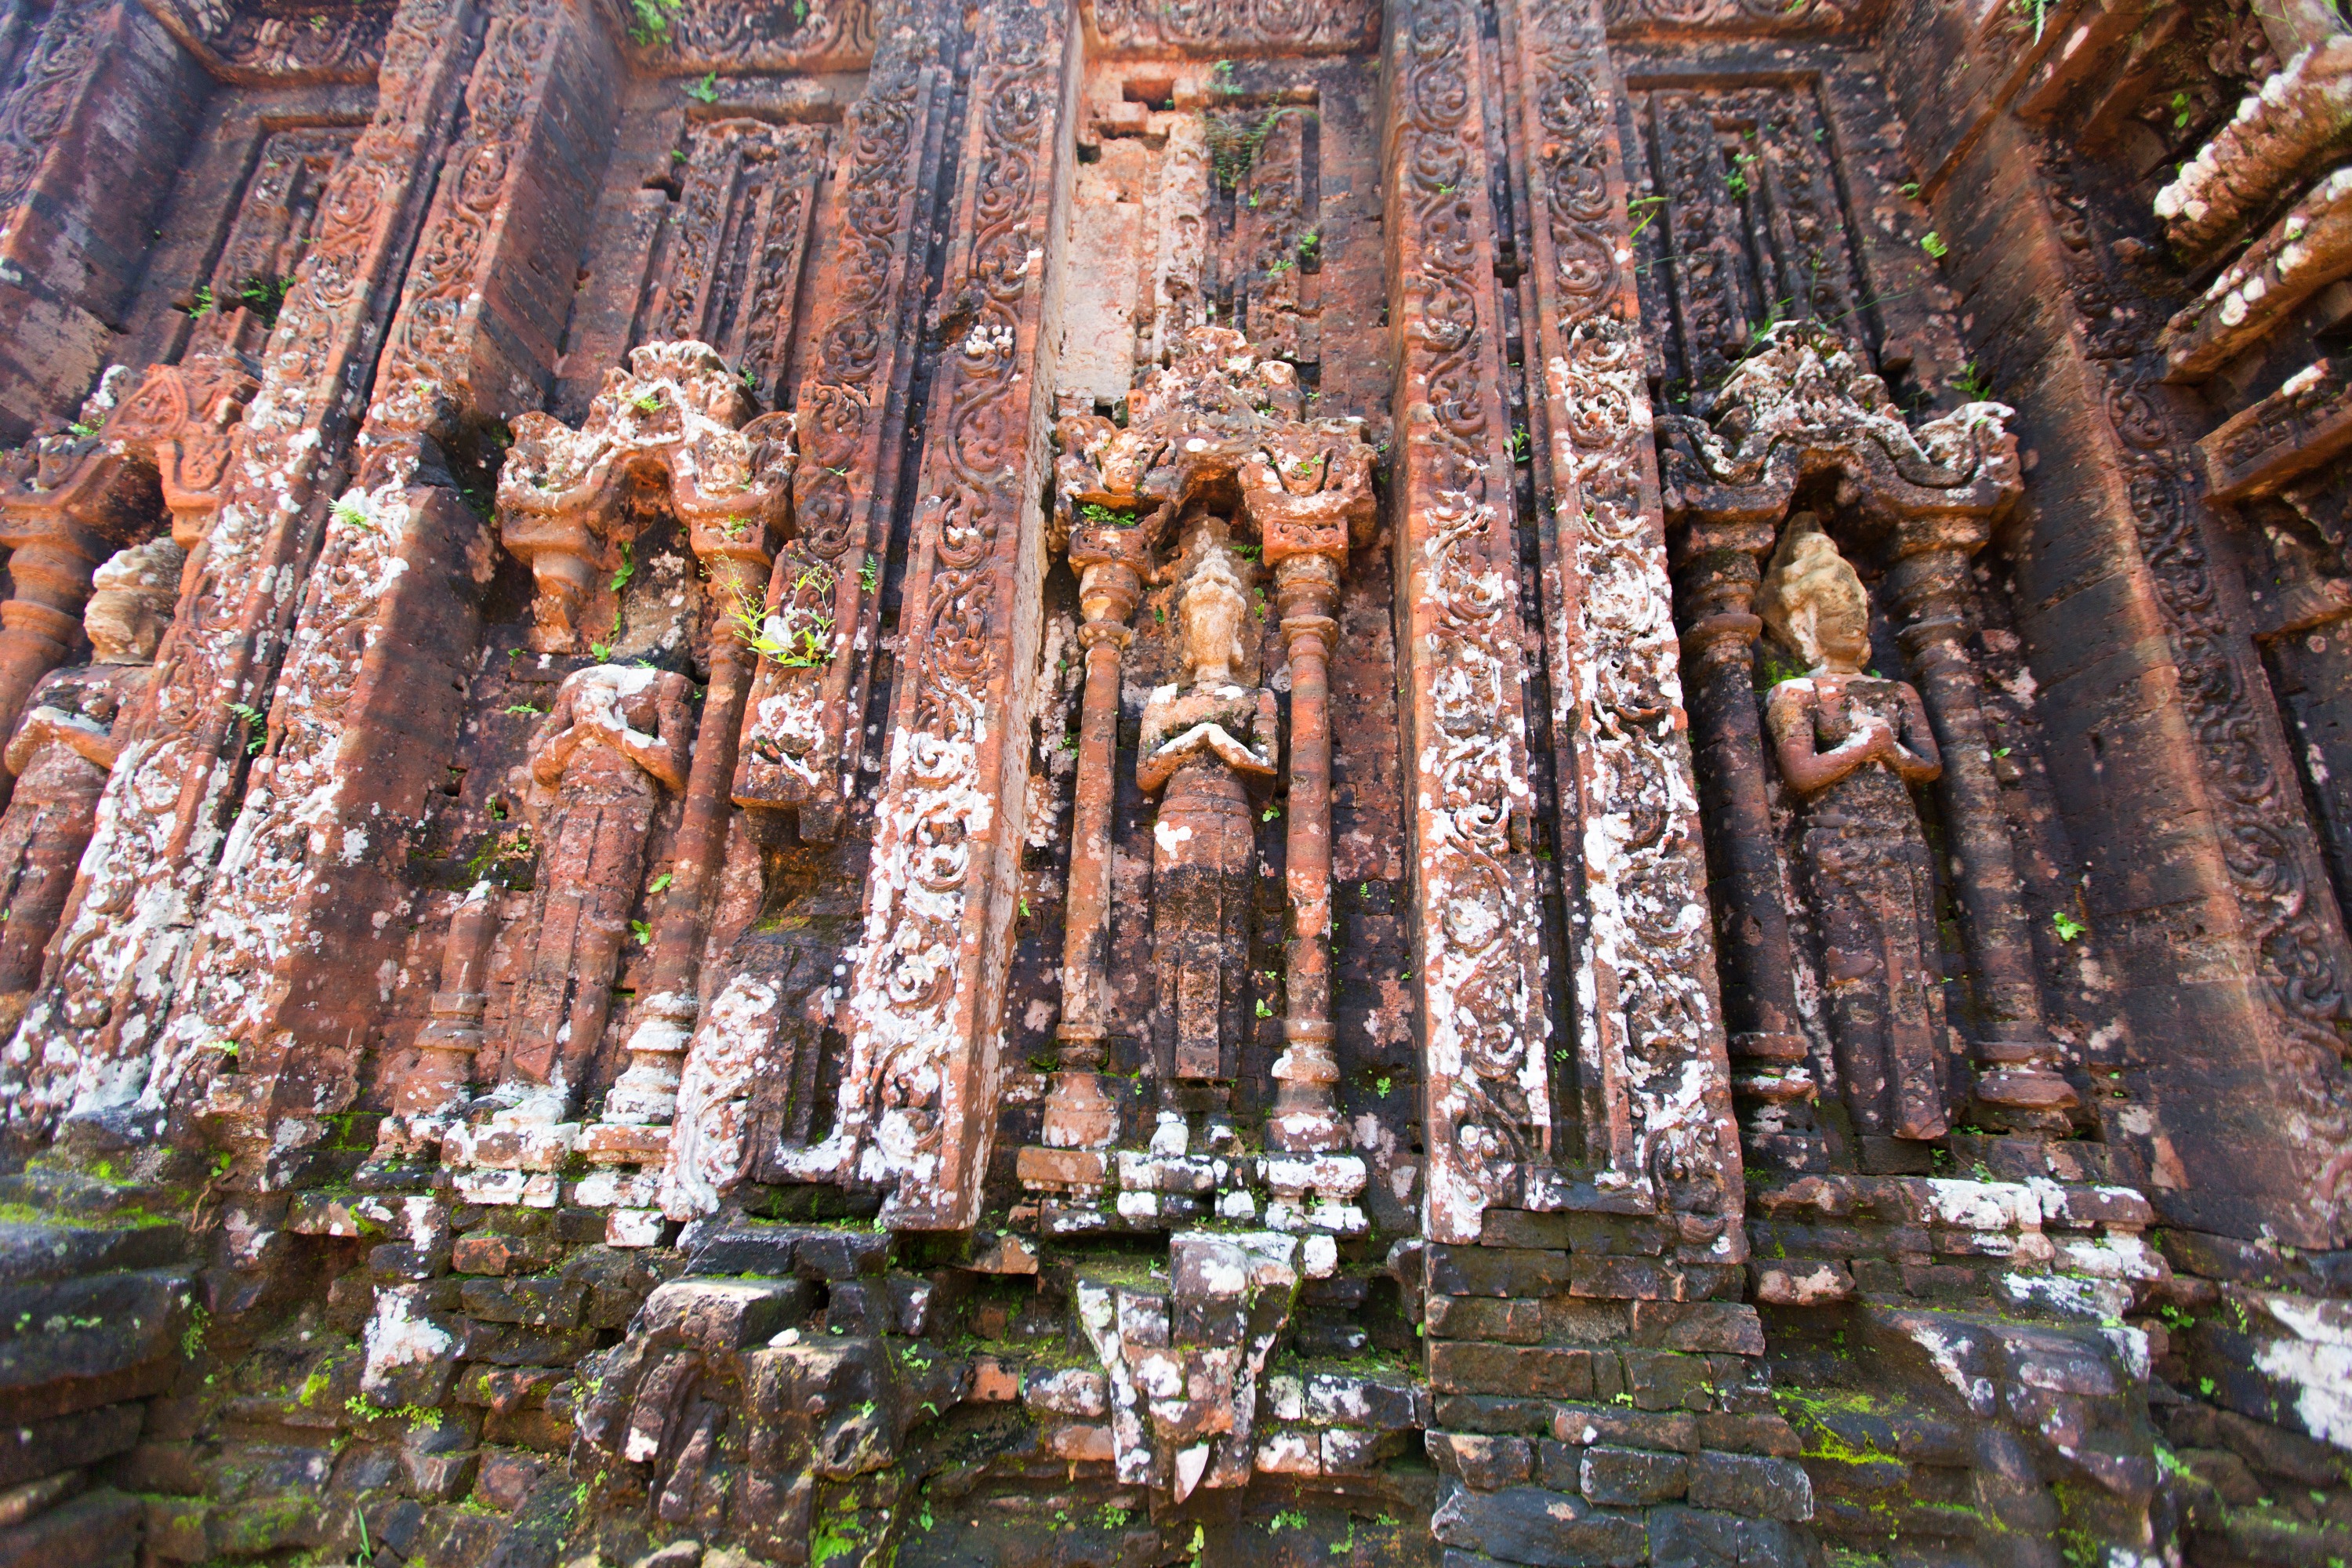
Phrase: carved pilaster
pixel 917 1098
pixel 97 1023
pixel 356 743
pixel 1475 913
pixel 1112 562
pixel 2017 1081
pixel 1715 577
pixel 92 125
pixel 798 750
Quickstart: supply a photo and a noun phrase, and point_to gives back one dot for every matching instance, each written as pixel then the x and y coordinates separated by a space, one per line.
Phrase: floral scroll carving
pixel 918 1089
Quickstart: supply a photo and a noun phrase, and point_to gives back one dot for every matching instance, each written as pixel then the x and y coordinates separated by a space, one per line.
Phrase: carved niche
pixel 1217 490
pixel 1803 433
pixel 675 433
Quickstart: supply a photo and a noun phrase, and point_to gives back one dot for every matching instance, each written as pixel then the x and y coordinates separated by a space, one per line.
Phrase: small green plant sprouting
pixel 706 91
pixel 1522 444
pixel 601 652
pixel 1910 188
pixel 79 431
pixel 1933 244
pixel 1972 383
pixel 660 884
pixel 1310 247
pixel 533 709
pixel 1290 1518
pixel 2180 111
pixel 1024 906
pixel 2067 926
pixel 201 305
pixel 192 1338
pixel 1737 181
pixel 1647 208
pixel 649 20
pixel 649 403
pixel 1380 1086
pixel 628 567
pixel 349 513
pixel 264 297
pixel 1263 1010
pixel 642 933
pixel 1269 814
pixel 867 573
pixel 1093 511
pixel 255 722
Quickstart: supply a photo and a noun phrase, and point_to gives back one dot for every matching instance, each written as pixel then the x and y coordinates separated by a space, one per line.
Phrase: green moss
pixel 835 1533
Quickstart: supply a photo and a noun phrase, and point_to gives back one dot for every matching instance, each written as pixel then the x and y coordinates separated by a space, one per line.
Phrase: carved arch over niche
pixel 677 412
pixel 1801 413
pixel 71 498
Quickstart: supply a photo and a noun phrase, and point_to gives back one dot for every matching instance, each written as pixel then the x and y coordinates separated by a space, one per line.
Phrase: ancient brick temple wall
pixel 1540 782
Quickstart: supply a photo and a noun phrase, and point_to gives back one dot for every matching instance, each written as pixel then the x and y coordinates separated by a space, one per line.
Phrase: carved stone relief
pixel 1798 410
pixel 65 747
pixel 235 308
pixel 1214 30
pixel 271 42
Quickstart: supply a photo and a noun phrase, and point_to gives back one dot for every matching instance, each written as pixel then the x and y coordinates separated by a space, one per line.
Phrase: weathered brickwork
pixel 1549 782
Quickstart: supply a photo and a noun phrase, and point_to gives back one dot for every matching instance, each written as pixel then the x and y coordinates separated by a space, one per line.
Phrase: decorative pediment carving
pixel 677 414
pixel 176 425
pixel 1806 403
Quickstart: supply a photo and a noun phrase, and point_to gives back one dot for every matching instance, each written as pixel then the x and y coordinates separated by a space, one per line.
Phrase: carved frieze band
pixel 1476 914
pixel 1214 29
pixel 244 44
pixel 1647 1013
pixel 693 37
pixel 917 1097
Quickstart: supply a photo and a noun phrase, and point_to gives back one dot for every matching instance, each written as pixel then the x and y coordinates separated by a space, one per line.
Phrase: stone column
pixel 1110 563
pixel 1305 1119
pixel 1716 581
pixel 645 1094
pixel 2016 1079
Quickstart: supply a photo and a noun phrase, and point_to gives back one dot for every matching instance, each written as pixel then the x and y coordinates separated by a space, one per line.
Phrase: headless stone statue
pixel 616 740
pixel 62 752
pixel 1849 745
pixel 1205 740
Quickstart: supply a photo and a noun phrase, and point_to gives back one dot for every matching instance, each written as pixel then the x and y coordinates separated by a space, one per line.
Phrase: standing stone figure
pixel 1206 739
pixel 616 740
pixel 1849 745
pixel 63 750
